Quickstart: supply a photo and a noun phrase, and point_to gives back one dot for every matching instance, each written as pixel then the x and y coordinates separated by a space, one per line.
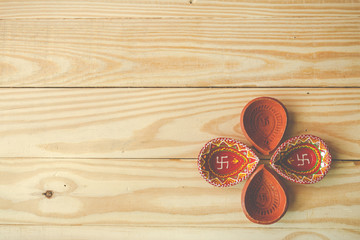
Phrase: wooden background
pixel 107 104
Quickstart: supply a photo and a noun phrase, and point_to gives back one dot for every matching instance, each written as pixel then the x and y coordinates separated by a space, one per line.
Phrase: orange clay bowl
pixel 263 122
pixel 224 162
pixel 263 197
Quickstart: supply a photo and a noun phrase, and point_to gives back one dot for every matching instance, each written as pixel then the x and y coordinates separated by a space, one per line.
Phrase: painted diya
pixel 303 159
pixel 263 197
pixel 263 122
pixel 225 162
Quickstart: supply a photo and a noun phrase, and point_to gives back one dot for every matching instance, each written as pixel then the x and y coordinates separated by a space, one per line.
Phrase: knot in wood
pixel 48 193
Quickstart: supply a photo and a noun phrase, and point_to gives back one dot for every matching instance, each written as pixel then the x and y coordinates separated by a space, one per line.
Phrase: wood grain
pixel 121 163
pixel 24 232
pixel 178 8
pixel 160 192
pixel 162 123
pixel 316 52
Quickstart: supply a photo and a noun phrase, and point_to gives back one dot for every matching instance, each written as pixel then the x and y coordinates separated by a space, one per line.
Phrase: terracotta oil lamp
pixel 224 162
pixel 303 159
pixel 263 197
pixel 263 122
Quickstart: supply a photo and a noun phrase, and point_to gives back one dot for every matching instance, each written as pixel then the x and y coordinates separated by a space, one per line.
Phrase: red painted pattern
pixel 225 162
pixel 303 159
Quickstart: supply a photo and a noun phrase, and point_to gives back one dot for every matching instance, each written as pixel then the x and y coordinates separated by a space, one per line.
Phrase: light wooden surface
pixel 159 193
pixel 314 52
pixel 178 8
pixel 26 232
pixel 166 123
pixel 107 104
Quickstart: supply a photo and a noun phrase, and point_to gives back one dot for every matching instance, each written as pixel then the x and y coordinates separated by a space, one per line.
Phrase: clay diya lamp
pixel 263 122
pixel 303 159
pixel 263 198
pixel 225 162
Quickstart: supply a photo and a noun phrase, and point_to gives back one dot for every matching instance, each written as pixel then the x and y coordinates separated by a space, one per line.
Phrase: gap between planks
pixel 180 87
pixel 130 158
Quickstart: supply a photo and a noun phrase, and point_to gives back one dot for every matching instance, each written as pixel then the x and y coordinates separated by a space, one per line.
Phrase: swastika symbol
pixel 264 121
pixel 302 159
pixel 222 162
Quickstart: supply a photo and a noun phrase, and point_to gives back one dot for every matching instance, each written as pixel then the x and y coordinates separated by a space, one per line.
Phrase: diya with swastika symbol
pixel 225 162
pixel 303 159
pixel 263 198
pixel 263 122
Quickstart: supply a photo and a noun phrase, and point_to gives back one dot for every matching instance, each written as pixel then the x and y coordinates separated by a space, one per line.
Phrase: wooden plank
pixel 178 8
pixel 162 123
pixel 11 232
pixel 314 52
pixel 160 192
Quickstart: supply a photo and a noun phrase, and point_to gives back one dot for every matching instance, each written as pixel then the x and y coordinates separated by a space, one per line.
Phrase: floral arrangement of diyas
pixel 303 159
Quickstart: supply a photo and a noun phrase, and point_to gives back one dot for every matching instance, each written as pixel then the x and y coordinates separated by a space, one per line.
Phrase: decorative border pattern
pixel 230 180
pixel 293 176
